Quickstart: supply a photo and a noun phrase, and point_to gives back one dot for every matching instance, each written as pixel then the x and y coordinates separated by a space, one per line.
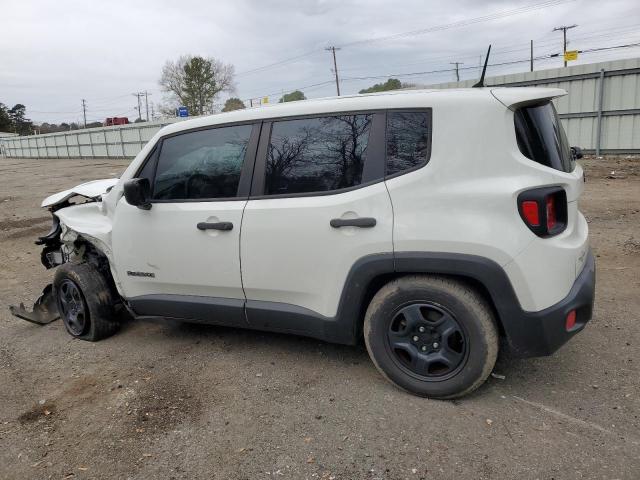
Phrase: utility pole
pixel 564 29
pixel 84 112
pixel 335 67
pixel 138 95
pixel 146 103
pixel 531 63
pixel 457 72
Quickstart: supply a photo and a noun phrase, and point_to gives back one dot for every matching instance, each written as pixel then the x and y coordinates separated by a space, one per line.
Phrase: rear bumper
pixel 542 333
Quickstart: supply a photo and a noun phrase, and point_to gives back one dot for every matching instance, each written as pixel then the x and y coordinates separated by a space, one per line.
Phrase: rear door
pixel 181 258
pixel 318 204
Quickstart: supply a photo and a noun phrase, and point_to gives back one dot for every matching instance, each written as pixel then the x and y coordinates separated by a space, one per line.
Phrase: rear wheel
pixel 431 336
pixel 85 302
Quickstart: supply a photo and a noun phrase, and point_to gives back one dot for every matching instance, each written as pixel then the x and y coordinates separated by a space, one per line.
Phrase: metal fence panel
pixel 124 141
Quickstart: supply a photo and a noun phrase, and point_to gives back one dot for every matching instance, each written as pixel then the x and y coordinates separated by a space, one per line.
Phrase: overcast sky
pixel 53 54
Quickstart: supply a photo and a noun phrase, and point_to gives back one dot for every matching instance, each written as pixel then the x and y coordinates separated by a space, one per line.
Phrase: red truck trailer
pixel 116 121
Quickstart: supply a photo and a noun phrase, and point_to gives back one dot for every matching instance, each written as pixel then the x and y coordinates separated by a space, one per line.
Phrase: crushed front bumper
pixel 44 311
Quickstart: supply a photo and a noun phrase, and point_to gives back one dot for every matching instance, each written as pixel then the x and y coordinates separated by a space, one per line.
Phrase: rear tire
pixel 85 302
pixel 431 336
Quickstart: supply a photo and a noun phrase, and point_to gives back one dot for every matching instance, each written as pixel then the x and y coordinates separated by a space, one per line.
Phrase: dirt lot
pixel 167 400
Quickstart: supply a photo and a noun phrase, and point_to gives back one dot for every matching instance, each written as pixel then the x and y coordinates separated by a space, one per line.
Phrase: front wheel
pixel 85 302
pixel 432 336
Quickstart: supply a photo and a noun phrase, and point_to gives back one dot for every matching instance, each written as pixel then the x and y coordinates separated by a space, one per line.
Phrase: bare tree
pixel 195 82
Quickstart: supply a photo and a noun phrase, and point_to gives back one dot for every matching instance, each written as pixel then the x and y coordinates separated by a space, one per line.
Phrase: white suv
pixel 431 223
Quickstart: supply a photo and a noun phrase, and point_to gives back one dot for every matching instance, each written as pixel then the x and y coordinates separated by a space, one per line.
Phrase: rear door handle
pixel 362 222
pixel 215 226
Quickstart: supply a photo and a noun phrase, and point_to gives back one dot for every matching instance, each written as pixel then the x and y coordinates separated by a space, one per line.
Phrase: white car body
pixel 283 252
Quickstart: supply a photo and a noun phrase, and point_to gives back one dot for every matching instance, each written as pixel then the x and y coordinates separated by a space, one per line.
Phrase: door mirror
pixel 576 153
pixel 137 192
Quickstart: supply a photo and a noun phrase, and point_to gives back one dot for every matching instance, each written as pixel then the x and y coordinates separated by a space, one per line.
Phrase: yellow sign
pixel 265 100
pixel 570 55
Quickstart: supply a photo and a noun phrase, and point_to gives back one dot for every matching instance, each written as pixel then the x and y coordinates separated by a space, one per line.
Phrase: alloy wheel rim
pixel 72 307
pixel 427 340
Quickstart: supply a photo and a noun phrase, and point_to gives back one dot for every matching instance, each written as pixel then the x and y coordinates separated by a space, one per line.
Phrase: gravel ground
pixel 169 400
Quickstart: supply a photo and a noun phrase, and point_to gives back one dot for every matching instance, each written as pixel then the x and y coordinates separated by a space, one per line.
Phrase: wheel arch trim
pixel 487 273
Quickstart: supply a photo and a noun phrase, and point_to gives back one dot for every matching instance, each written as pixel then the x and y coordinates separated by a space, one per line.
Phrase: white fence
pixel 123 141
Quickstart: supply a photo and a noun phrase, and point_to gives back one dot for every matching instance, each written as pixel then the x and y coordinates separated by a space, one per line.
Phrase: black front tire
pixel 402 354
pixel 85 302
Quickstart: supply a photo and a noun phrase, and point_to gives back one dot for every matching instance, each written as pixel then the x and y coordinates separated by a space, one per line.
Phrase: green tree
pixel 5 120
pixel 233 103
pixel 195 82
pixel 19 123
pixel 391 84
pixel 292 97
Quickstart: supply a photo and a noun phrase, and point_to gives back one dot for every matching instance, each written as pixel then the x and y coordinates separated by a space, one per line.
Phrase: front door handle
pixel 215 226
pixel 362 222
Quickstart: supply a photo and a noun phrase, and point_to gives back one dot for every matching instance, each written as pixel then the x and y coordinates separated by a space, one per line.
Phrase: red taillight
pixel 544 210
pixel 571 320
pixel 530 213
pixel 551 212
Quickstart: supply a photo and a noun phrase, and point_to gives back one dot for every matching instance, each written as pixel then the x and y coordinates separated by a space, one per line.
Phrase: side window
pixel 317 154
pixel 201 165
pixel 408 140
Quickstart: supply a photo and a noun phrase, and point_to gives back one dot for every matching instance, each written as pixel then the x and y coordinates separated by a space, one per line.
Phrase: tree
pixel 292 97
pixel 195 82
pixel 391 84
pixel 19 123
pixel 233 103
pixel 5 120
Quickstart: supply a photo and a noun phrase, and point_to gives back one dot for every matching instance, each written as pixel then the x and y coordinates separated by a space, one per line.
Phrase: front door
pixel 181 258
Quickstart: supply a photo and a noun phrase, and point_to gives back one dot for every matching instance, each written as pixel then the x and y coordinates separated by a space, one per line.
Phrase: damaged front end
pixel 45 309
pixel 57 250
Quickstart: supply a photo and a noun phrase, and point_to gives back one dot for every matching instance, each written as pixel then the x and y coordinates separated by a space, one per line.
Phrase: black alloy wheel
pixel 72 307
pixel 426 340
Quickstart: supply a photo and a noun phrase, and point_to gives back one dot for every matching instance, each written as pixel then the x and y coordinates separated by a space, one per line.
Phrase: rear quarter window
pixel 542 138
pixel 408 141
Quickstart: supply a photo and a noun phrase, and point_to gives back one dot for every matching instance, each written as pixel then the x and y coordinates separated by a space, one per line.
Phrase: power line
pixel 316 85
pixel 512 62
pixel 461 23
pixel 278 63
pixel 435 28
pixel 306 87
pixel 431 60
pixel 590 50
